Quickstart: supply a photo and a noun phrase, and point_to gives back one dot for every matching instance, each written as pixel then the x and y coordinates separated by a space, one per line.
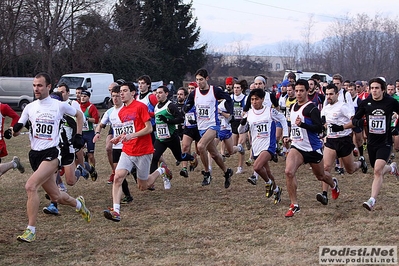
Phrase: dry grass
pixel 194 225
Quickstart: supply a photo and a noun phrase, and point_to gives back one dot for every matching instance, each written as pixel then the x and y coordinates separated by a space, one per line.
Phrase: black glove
pixel 336 128
pixel 8 133
pixel 358 122
pixel 243 121
pixel 394 131
pixel 163 119
pixel 78 141
pixel 192 122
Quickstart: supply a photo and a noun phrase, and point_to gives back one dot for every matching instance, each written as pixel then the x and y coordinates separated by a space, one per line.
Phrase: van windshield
pixel 72 82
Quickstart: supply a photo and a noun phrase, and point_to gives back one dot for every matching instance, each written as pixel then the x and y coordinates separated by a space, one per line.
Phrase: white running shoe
pixel 166 183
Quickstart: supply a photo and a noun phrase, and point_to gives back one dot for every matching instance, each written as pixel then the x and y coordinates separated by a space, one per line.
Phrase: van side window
pixel 88 83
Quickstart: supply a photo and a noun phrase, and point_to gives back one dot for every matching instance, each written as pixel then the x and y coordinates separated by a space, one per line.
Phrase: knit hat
pixel 194 84
pixel 87 93
pixel 229 81
pixel 285 83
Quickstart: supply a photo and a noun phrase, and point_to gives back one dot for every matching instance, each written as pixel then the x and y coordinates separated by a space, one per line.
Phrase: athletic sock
pixel 117 208
pixel 31 228
pixel 78 205
pixel 161 170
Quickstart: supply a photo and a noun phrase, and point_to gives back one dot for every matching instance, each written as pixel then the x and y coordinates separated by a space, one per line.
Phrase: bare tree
pixel 289 52
pixel 362 47
pixel 306 48
pixel 11 32
pixel 52 25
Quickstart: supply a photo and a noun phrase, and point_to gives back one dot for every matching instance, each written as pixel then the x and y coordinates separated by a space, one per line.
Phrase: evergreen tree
pixel 169 29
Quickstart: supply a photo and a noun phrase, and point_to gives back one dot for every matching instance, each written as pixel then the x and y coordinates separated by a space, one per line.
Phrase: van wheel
pixel 23 104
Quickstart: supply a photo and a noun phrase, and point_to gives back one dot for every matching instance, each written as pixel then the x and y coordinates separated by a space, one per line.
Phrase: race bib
pixel 189 116
pixel 296 133
pixel 162 131
pixel 85 126
pixel 237 112
pixel 128 127
pixel 44 129
pixel 203 112
pixel 262 130
pixel 118 129
pixel 377 124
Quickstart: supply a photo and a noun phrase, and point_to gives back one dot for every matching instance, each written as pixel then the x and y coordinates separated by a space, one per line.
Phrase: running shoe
pixel 368 205
pixel 227 177
pixel 249 162
pixel 292 210
pixel 83 171
pixel 274 158
pixel 322 198
pixel 239 170
pixel 168 173
pixel 18 164
pixel 93 173
pixel 395 171
pixel 363 164
pixel 111 179
pixel 335 191
pixel 112 215
pixel 77 175
pixel 341 171
pixel 269 189
pixel 126 200
pixel 27 236
pixel 51 209
pixel 166 183
pixel 277 195
pixel 184 172
pixel 207 178
pixel 83 210
pixel 252 179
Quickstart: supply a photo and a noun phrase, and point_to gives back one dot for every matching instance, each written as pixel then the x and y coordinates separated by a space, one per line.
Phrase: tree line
pixel 358 47
pixel 128 38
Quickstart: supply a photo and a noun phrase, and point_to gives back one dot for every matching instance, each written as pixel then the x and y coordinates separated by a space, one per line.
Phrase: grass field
pixel 194 225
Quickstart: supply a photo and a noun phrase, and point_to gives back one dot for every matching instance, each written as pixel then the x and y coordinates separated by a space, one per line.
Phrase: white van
pixel 96 83
pixel 307 75
pixel 16 92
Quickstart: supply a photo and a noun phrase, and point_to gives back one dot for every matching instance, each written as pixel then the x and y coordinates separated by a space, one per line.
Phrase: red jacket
pixel 93 111
pixel 5 110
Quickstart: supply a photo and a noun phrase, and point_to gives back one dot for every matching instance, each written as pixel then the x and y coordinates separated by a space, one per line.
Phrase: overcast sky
pixel 253 23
